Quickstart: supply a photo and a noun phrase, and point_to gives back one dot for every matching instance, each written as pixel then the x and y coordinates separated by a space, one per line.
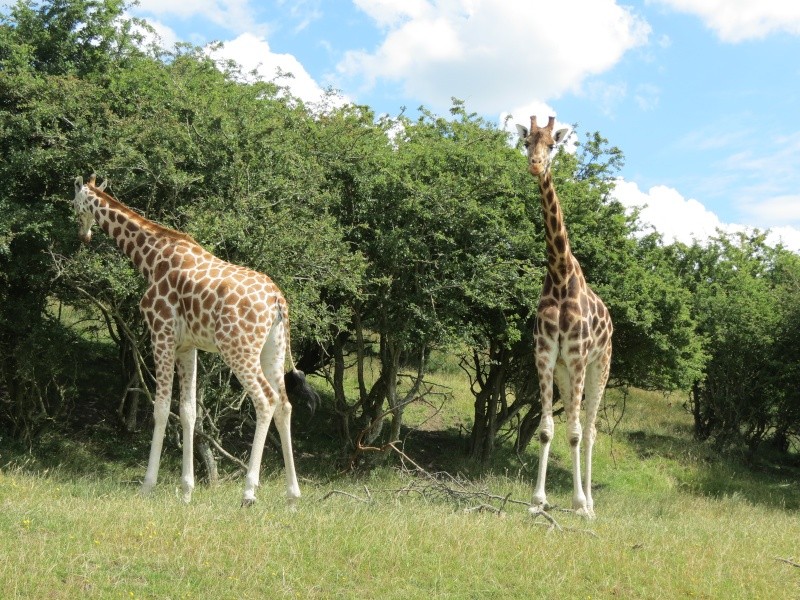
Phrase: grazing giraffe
pixel 572 334
pixel 198 301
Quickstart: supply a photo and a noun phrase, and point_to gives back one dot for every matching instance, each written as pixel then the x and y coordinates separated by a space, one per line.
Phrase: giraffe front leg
pixel 575 436
pixel 546 355
pixel 187 375
pixel 546 429
pixel 160 416
pixel 162 339
pixel 596 377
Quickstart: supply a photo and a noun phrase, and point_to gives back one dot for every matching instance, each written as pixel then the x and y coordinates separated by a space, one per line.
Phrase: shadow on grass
pixel 764 479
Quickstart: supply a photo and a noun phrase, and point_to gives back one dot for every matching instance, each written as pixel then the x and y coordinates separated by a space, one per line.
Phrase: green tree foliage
pixel 48 115
pixel 418 233
pixel 745 300
pixel 180 139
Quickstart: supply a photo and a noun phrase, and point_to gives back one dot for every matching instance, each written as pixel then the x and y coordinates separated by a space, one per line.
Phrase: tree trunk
pixel 203 448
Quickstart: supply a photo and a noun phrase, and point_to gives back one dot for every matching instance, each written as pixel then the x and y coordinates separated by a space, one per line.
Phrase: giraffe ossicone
pixel 198 301
pixel 572 336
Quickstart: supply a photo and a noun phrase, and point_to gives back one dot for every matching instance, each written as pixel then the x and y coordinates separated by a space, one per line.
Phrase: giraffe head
pixel 540 143
pixel 83 208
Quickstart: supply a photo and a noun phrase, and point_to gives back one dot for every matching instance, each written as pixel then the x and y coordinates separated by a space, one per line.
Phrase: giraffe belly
pixel 194 337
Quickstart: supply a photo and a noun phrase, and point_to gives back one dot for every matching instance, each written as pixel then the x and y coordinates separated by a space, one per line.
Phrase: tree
pixel 52 120
pixel 744 300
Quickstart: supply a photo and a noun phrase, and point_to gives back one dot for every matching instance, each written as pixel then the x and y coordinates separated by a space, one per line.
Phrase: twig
pixel 349 495
pixel 540 512
pixel 484 507
pixel 788 561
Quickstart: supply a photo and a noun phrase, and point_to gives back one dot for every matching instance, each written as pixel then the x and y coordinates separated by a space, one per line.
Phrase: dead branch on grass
pixel 348 494
pixel 788 561
pixel 443 486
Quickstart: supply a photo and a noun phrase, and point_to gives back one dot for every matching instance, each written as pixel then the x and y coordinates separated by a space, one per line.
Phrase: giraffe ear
pixel 103 185
pixel 78 183
pixel 561 135
pixel 522 131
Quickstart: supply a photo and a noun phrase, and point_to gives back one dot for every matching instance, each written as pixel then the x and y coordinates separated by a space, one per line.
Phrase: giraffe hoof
pixel 585 512
pixel 248 502
pixel 536 509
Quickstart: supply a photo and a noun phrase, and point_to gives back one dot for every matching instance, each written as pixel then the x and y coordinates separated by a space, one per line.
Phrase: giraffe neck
pixel 560 262
pixel 137 237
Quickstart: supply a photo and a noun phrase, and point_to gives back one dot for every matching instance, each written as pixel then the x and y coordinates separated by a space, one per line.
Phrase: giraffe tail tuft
pixel 299 390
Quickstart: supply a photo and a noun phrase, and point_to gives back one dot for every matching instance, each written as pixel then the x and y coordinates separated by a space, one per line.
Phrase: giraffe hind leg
pixel 264 400
pixel 272 360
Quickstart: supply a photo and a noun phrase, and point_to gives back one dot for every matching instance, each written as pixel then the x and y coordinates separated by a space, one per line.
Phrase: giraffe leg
pixel 164 357
pixel 283 418
pixel 264 401
pixel 572 407
pixel 545 366
pixel 186 363
pixel 272 359
pixel 596 377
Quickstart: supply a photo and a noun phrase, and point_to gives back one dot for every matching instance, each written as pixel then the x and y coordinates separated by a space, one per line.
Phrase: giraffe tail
pixel 297 387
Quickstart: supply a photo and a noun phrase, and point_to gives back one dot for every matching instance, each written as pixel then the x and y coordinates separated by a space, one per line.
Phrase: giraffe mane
pixel 144 222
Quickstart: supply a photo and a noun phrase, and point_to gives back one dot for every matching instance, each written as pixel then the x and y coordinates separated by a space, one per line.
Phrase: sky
pixel 702 96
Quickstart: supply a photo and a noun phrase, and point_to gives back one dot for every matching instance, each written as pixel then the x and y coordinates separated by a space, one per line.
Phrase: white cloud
pixel 161 35
pixel 739 20
pixel 777 209
pixel 647 96
pixel 669 213
pixel 232 15
pixel 522 115
pixel 605 96
pixel 390 12
pixel 493 55
pixel 759 181
pixel 684 220
pixel 253 54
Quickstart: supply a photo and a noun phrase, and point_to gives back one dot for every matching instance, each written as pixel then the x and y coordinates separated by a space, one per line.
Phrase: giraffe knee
pixel 545 436
pixel 574 436
pixel 546 428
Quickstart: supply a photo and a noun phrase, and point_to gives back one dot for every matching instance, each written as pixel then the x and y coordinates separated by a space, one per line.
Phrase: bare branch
pixel 349 495
pixel 788 561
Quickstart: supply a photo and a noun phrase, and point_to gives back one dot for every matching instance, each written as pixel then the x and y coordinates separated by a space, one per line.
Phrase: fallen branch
pixel 788 561
pixel 483 508
pixel 349 495
pixel 540 512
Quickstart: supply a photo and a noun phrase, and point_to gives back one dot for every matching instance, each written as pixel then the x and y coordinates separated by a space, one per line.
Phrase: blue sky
pixel 702 96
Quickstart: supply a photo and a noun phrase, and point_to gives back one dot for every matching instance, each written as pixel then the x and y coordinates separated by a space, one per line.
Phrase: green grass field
pixel 675 520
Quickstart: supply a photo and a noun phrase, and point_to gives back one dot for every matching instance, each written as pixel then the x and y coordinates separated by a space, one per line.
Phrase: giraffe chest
pixel 572 321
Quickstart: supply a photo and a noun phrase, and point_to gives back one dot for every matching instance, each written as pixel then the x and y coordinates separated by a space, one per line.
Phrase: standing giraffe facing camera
pixel 572 335
pixel 198 301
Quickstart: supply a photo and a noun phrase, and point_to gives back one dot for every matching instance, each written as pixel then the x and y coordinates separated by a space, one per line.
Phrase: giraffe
pixel 572 335
pixel 198 301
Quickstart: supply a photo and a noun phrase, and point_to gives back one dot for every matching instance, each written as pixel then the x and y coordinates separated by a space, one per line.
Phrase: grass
pixel 675 520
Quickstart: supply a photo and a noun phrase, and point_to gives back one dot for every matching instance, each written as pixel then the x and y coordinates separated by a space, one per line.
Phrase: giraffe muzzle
pixel 536 168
